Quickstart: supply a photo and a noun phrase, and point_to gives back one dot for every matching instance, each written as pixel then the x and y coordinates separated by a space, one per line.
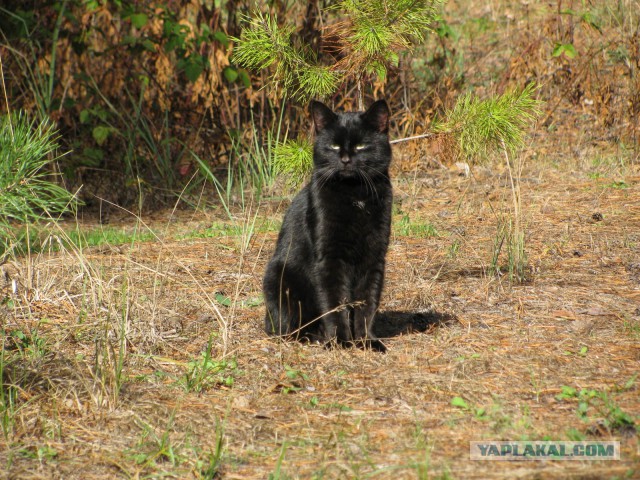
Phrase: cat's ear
pixel 378 116
pixel 322 115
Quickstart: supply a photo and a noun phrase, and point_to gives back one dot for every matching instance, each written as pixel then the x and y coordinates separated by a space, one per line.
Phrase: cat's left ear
pixel 378 116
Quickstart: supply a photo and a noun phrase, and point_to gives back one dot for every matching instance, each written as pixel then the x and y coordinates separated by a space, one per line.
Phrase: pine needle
pixel 482 127
pixel 264 43
pixel 294 160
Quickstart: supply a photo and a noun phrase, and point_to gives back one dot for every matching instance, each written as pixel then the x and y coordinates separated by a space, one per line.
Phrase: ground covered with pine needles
pixel 148 360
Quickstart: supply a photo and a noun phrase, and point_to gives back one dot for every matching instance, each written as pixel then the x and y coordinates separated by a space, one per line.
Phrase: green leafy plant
pixel 295 380
pixel 29 344
pixel 461 403
pixel 154 449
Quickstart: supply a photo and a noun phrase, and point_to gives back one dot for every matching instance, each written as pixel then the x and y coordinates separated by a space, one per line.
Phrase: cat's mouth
pixel 348 171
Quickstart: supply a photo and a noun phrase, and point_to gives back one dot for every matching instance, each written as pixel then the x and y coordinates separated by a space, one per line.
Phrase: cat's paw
pixel 376 345
pixel 371 344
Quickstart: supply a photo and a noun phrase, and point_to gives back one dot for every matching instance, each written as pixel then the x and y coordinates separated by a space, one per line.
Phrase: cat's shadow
pixel 392 323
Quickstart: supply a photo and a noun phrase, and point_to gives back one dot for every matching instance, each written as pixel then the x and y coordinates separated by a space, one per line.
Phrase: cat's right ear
pixel 322 115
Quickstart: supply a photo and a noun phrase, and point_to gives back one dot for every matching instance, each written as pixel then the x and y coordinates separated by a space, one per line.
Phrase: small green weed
pixel 153 449
pixel 277 473
pixel 410 228
pixel 41 453
pixel 580 353
pixel 315 403
pixel 295 380
pixel 210 467
pixel 618 185
pixel 575 435
pixel 602 404
pixel 454 249
pixel 478 412
pixel 29 344
pixel 632 328
pixel 226 301
pixel 206 372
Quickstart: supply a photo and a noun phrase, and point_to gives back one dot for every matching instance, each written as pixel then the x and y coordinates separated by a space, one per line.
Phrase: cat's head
pixel 351 144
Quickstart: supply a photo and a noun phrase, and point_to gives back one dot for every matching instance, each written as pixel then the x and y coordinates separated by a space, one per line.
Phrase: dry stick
pixel 6 99
pixel 415 137
pixel 515 193
pixel 339 308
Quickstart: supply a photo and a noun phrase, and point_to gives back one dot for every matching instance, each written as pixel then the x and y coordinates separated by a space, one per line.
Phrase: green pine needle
pixel 317 81
pixel 264 43
pixel 379 29
pixel 483 127
pixel 383 24
pixel 294 160
pixel 26 193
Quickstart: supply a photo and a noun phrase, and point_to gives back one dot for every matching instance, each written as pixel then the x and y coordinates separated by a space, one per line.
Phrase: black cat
pixel 325 278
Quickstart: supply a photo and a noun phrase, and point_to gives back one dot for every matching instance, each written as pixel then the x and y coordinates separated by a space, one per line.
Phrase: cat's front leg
pixel 368 288
pixel 334 300
pixel 335 323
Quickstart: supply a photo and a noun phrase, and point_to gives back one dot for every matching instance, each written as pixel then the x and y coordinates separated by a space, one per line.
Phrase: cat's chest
pixel 361 204
pixel 352 229
pixel 351 215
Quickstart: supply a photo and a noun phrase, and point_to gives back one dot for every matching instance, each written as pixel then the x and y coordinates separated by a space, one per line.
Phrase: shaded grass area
pixel 48 238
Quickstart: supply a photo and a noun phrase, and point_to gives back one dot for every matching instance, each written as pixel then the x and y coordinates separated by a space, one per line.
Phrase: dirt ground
pixel 110 382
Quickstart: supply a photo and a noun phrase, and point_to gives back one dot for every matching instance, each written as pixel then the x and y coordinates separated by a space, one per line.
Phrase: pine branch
pixel 370 44
pixel 482 127
pixel 294 160
pixel 26 194
pixel 264 43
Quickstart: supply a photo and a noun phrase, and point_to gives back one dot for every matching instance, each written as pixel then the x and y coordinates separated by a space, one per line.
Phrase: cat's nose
pixel 345 159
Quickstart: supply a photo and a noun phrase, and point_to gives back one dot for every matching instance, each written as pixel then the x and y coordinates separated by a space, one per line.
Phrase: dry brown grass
pixel 99 379
pixel 340 413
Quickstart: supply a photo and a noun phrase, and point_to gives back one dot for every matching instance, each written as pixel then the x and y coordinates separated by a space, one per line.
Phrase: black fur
pixel 326 275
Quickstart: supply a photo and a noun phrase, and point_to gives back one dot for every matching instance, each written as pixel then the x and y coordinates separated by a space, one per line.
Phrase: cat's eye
pixel 360 147
pixel 334 146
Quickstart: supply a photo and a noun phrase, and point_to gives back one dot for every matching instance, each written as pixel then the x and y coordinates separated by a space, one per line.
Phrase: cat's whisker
pixel 380 173
pixel 369 183
pixel 370 188
pixel 325 176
